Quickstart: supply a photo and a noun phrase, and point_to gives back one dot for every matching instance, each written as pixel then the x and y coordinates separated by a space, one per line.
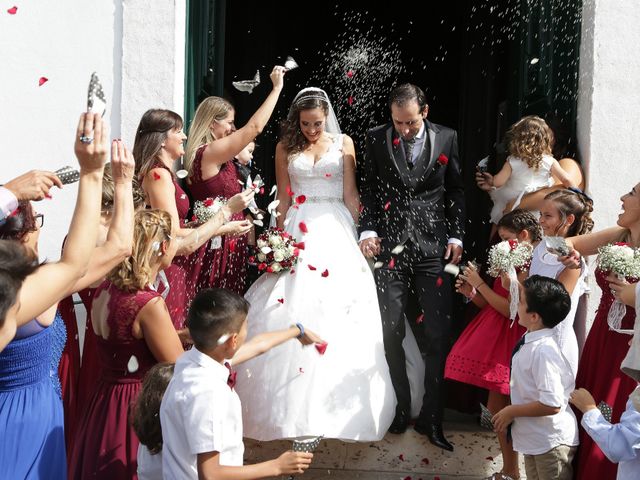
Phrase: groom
pixel 412 222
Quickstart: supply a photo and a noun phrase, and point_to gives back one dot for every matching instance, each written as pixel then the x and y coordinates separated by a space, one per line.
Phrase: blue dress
pixel 31 416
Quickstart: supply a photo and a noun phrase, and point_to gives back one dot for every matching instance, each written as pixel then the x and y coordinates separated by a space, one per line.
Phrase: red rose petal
pixel 303 227
pixel 401 457
pixel 438 281
pixel 328 175
pixel 321 347
pixel 207 203
pixel 261 190
pixel 312 268
pixel 420 318
pixel 360 208
pixel 281 300
pixel 396 141
pixel 387 205
pixel 350 100
pixel 47 196
pixel 295 206
pixel 299 245
pixel 42 81
pixel 392 263
pixel 232 245
pixel 300 370
pixel 350 74
pixel 489 458
pixel 12 10
pixel 425 461
pixel 301 199
pixel 156 176
pixel 289 191
pixel 325 274
pixel 292 271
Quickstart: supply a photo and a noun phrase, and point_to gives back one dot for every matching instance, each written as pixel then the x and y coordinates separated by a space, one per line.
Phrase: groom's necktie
pixel 408 150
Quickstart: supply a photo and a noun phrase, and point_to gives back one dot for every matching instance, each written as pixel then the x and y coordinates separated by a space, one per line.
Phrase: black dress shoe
pixel 434 433
pixel 400 423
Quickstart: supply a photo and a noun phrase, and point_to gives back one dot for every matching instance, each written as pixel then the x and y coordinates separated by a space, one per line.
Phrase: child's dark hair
pixel 145 414
pixel 213 313
pixel 577 203
pixel 548 298
pixel 518 220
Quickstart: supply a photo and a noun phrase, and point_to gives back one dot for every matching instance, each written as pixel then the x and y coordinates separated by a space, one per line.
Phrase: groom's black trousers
pixel 423 276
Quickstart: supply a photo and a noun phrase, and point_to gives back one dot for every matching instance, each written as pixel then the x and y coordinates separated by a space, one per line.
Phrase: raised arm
pixel 561 174
pixel 283 182
pixel 224 149
pixel 588 244
pixel 350 191
pixel 120 235
pixel 266 341
pixel 52 282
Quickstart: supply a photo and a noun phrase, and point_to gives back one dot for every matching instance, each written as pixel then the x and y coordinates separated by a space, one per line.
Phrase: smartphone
pixel 483 165
pixel 96 101
pixel 557 246
pixel 68 175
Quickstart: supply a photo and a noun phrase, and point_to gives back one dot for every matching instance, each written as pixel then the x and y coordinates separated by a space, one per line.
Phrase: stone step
pixel 408 456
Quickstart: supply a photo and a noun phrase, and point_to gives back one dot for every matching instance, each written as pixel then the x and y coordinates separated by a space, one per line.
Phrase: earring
pixel 162 145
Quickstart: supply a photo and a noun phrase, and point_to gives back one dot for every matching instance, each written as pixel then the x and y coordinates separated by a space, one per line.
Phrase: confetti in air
pixel 42 81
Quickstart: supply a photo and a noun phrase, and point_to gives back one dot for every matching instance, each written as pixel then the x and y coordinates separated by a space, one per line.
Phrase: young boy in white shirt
pixel 201 415
pixel 544 428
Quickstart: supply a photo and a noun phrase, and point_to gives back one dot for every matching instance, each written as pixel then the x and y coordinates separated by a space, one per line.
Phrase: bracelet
pixel 301 328
pixel 479 285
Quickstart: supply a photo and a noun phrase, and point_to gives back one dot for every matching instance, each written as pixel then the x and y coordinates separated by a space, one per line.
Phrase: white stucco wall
pixel 609 106
pixel 65 42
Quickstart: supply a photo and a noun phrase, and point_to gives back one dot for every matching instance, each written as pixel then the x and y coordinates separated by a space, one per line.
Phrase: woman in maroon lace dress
pixel 213 142
pixel 599 368
pixel 134 331
pixel 158 145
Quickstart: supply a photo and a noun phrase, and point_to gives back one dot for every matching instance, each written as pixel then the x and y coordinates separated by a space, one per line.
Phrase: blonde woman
pixel 158 145
pixel 134 331
pixel 213 143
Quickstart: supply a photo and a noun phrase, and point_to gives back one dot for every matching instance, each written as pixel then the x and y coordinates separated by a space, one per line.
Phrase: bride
pixel 345 392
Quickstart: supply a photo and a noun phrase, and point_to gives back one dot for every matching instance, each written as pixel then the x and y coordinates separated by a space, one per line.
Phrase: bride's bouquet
pixel 624 261
pixel 510 257
pixel 276 250
pixel 207 208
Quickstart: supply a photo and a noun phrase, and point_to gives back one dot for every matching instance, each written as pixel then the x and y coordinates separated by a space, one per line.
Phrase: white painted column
pixel 153 59
pixel 609 108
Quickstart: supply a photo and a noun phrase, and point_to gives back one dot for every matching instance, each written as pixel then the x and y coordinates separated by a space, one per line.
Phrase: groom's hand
pixel 453 253
pixel 370 247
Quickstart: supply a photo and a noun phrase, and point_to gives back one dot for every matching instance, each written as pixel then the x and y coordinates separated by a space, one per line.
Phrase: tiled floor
pixel 408 456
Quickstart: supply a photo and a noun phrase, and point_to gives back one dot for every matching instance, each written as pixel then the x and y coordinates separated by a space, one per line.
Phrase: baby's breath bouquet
pixel 624 261
pixel 510 257
pixel 205 209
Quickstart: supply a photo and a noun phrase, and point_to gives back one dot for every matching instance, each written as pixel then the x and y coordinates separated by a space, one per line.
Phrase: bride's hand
pixel 277 77
pixel 310 337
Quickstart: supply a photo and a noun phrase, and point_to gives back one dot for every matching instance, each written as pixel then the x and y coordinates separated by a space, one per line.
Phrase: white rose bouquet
pixel 276 250
pixel 624 261
pixel 510 257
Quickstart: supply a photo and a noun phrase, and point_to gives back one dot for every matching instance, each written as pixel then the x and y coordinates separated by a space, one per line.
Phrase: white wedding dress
pixel 292 391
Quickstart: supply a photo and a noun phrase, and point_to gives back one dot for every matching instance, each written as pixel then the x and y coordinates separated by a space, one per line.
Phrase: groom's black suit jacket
pixel 424 204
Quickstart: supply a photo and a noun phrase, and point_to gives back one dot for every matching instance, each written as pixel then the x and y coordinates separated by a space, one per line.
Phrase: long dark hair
pixel 145 415
pixel 290 133
pixel 152 131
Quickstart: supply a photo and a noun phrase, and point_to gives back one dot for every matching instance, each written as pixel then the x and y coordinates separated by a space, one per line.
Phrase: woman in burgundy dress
pixel 78 378
pixel 134 331
pixel 213 143
pixel 599 368
pixel 158 145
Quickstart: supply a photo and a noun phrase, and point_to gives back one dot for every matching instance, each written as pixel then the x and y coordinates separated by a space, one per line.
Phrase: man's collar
pixel 538 334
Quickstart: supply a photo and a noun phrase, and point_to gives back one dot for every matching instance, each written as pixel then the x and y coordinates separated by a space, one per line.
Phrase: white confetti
pixel 132 364
pixel 274 190
pixel 258 223
pixel 272 206
pixel 397 249
pixel 378 265
pixel 534 61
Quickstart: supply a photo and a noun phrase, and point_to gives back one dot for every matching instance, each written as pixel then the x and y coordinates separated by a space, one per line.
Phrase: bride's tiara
pixel 310 97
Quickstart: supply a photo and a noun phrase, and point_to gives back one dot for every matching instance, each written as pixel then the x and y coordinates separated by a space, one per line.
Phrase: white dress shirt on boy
pixel 541 373
pixel 200 413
